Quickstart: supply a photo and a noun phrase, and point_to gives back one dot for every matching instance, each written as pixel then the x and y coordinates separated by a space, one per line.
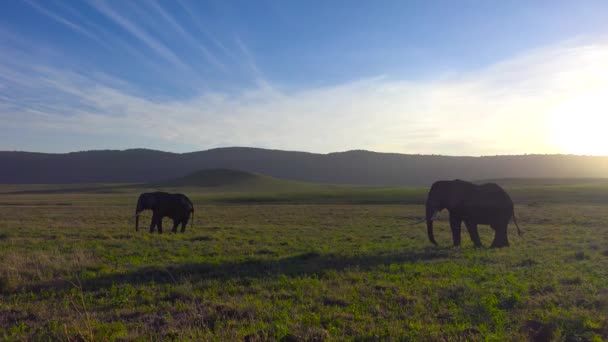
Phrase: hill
pixel 212 178
pixel 232 180
pixel 548 182
pixel 351 167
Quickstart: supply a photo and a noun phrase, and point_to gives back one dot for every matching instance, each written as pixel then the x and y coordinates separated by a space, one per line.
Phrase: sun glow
pixel 579 122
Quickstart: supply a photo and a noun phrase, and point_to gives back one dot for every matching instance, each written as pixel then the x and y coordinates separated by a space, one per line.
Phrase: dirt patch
pixel 201 238
pixel 406 301
pixel 231 312
pixel 123 236
pixel 579 256
pixel 542 290
pixel 308 256
pixel 335 302
pixel 537 331
pixel 291 338
pixel 9 317
pixel 571 281
pixel 527 263
pixel 470 334
pixel 256 337
pixel 265 251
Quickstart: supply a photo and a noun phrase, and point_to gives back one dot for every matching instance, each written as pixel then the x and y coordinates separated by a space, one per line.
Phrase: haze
pixel 432 77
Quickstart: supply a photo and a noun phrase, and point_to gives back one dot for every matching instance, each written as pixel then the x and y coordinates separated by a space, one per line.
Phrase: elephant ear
pixel 454 202
pixel 460 193
pixel 149 201
pixel 456 198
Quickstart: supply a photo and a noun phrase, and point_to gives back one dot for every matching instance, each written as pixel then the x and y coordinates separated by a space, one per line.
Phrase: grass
pixel 347 263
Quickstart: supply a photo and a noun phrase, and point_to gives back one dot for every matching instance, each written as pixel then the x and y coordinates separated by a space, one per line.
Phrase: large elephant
pixel 474 204
pixel 178 207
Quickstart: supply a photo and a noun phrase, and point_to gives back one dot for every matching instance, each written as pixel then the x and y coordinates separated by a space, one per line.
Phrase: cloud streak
pixel 73 26
pixel 193 41
pixel 509 107
pixel 139 33
pixel 197 20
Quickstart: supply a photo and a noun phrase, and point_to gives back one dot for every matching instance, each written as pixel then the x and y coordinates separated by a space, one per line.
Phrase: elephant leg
pixel 185 223
pixel 175 224
pixel 455 223
pixel 500 236
pixel 153 223
pixel 473 233
pixel 160 225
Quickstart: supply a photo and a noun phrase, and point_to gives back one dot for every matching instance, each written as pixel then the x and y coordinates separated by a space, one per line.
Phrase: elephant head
pixel 433 207
pixel 443 195
pixel 145 201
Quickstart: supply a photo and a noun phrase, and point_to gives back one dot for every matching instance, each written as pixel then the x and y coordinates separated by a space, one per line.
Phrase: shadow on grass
pixel 301 264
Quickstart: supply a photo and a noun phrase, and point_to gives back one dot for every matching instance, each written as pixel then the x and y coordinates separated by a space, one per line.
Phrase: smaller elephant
pixel 178 207
pixel 472 204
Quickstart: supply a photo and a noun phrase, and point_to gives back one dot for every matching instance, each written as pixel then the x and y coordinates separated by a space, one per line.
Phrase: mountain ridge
pixel 363 167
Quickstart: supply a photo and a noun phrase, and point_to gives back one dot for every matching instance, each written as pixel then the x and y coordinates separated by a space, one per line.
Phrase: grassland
pixel 336 263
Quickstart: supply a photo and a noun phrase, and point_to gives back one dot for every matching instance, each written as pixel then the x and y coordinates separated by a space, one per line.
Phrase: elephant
pixel 178 207
pixel 487 204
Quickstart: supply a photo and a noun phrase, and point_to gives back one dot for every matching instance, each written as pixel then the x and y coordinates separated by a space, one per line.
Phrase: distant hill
pixel 212 178
pixel 352 167
pixel 544 182
pixel 226 180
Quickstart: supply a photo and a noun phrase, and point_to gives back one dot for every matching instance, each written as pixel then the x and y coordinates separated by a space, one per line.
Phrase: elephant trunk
pixel 430 216
pixel 138 211
pixel 136 221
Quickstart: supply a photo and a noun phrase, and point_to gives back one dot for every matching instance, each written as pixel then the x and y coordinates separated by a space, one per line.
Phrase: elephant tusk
pixel 435 215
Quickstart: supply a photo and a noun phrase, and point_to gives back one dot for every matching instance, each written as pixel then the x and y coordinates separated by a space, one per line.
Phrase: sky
pixel 422 77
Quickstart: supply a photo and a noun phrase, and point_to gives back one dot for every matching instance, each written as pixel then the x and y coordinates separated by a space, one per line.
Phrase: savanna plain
pixel 319 264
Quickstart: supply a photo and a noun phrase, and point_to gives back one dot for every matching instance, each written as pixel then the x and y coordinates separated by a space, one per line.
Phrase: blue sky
pixel 442 77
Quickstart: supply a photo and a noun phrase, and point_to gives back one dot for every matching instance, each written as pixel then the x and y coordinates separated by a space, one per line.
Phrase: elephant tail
pixel 192 220
pixel 516 225
pixel 191 210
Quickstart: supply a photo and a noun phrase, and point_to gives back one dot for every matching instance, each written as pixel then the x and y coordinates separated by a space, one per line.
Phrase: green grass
pixel 348 263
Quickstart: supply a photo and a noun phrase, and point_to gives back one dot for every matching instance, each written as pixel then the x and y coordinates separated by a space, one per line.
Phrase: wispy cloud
pixel 139 33
pixel 197 20
pixel 520 105
pixel 249 61
pixel 193 41
pixel 75 27
pixel 113 41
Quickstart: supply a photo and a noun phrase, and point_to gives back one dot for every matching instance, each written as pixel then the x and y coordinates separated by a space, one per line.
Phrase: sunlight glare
pixel 580 125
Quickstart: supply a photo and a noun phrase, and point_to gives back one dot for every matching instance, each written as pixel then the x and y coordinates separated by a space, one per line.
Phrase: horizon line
pixel 308 152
